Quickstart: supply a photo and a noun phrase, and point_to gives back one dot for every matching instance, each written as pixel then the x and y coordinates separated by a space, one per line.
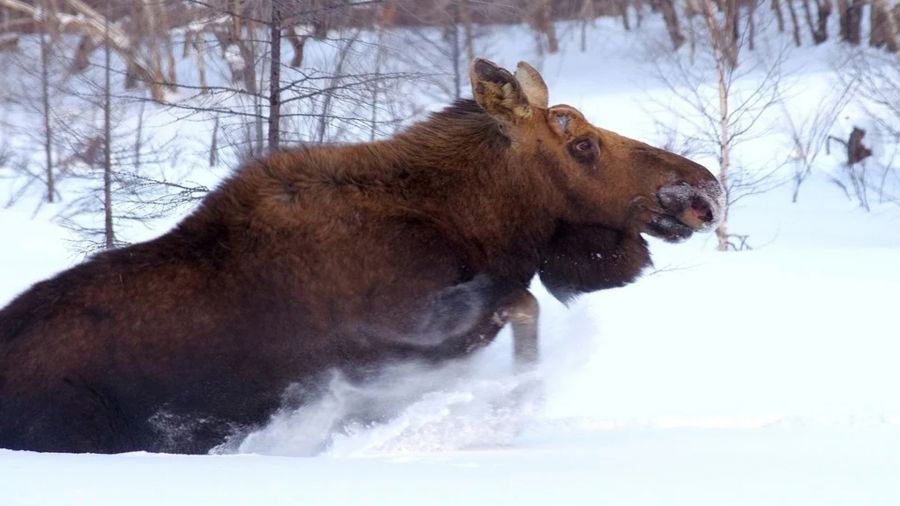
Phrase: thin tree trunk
pixel 540 17
pixel 825 8
pixel 851 20
pixel 235 6
pixel 45 105
pixel 794 21
pixel 139 137
pixel 842 21
pixel 108 232
pixel 819 28
pixel 244 37
pixel 373 105
pixel 623 11
pixel 723 66
pixel 751 25
pixel 854 19
pixel 333 83
pixel 254 87
pixel 779 16
pixel 275 77
pixel 379 57
pixel 807 13
pixel 455 54
pixel 214 143
pixel 466 18
pixel 153 32
pixel 81 59
pixel 587 17
pixel 671 18
pixel 549 27
pixel 725 155
pixel 199 44
pixel 729 36
pixel 137 36
pixel 298 43
pixel 166 33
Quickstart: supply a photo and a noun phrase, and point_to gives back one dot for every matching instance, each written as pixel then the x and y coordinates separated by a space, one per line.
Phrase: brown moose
pixel 419 247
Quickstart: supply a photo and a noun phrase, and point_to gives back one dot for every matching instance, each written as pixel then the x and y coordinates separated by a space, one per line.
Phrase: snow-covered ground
pixel 767 376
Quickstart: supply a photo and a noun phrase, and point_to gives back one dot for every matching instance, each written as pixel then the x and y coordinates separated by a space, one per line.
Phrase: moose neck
pixel 490 199
pixel 459 172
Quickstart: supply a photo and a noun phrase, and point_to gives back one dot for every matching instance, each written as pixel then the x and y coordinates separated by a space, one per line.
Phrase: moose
pixel 419 247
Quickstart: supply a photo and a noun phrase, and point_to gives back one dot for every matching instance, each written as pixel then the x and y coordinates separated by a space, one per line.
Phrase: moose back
pixel 420 247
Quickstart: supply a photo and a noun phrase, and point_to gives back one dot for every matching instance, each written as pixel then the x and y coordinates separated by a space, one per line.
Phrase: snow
pixel 766 376
pixel 554 464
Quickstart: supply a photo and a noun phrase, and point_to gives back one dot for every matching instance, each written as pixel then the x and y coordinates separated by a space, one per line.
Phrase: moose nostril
pixel 675 197
pixel 702 209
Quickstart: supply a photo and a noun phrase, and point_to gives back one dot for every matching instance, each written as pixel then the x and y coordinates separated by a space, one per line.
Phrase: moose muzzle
pixel 687 209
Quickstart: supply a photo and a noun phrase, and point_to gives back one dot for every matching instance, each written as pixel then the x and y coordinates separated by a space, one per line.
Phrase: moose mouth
pixel 668 228
pixel 685 209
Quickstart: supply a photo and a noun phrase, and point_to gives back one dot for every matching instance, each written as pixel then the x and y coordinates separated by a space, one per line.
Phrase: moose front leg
pixel 513 304
pixel 521 311
pixel 500 303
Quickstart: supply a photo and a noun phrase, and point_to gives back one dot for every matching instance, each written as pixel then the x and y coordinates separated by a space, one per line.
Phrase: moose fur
pixel 418 247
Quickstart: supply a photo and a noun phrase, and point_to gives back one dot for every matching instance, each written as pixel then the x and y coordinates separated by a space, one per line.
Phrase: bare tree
pixel 539 16
pixel 819 27
pixel 46 33
pixel 31 88
pixel 850 14
pixel 90 23
pixel 270 86
pixel 875 77
pixel 109 233
pixel 724 47
pixel 587 15
pixel 441 57
pixel 334 85
pixel 721 117
pixel 779 15
pixel 810 134
pixel 794 22
pixel 671 17
pixel 275 74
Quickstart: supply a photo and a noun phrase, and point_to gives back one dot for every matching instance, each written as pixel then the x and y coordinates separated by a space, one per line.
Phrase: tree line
pixel 266 73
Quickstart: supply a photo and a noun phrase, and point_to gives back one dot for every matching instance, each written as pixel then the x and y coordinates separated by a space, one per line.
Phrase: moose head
pixel 638 187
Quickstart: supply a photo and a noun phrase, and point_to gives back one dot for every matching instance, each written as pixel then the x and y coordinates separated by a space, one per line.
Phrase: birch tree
pixel 721 95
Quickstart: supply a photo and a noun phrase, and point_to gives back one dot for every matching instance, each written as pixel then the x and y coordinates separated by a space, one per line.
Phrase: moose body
pixel 418 247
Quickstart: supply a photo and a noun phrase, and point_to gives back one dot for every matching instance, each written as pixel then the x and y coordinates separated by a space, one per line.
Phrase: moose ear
pixel 532 84
pixel 498 92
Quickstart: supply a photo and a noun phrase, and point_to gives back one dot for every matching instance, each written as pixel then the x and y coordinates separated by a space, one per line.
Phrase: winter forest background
pixel 100 97
pixel 754 366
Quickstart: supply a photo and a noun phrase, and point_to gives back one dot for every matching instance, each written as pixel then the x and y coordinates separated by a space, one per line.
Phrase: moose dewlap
pixel 419 247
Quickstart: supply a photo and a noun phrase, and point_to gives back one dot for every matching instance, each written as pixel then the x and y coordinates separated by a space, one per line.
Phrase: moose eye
pixel 584 150
pixel 583 145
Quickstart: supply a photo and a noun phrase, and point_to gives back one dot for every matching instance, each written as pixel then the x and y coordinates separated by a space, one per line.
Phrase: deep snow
pixel 761 377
